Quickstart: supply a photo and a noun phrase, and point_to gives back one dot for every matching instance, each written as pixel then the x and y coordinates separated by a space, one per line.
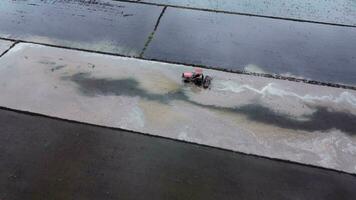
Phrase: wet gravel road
pixel 43 158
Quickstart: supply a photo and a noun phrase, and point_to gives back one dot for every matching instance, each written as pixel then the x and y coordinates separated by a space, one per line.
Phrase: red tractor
pixel 197 77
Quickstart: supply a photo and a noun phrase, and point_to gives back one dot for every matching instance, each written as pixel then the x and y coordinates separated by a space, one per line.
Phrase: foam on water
pixel 274 90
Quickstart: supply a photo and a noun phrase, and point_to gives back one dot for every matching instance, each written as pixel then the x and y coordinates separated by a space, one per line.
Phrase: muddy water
pixel 312 51
pixel 274 118
pixel 103 25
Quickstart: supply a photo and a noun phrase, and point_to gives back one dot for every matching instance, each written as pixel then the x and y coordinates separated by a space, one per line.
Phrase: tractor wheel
pixel 207 82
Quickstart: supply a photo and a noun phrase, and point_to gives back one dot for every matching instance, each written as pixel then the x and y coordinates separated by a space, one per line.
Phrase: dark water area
pixel 312 51
pixel 327 11
pixel 101 25
pixel 43 158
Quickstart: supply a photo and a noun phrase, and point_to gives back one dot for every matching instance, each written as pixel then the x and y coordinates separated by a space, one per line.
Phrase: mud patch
pixel 58 67
pixel 160 85
pixel 161 114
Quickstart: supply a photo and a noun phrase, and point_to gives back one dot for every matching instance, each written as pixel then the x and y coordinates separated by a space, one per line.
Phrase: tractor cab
pixel 197 77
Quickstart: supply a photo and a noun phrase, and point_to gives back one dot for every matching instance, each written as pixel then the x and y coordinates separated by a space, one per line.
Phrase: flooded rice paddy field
pixel 78 123
pixel 303 50
pixel 327 11
pixel 107 26
pixel 274 118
